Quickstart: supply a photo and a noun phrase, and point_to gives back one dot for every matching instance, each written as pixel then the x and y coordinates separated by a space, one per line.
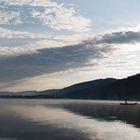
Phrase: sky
pixel 51 44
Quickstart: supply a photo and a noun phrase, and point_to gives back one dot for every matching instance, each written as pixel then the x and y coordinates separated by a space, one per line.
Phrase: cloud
pixel 29 2
pixel 58 54
pixel 62 53
pixel 10 17
pixel 60 18
pixel 46 13
pixel 124 36
pixel 15 43
pixel 11 34
pixel 62 43
pixel 11 40
pixel 30 48
pixel 51 60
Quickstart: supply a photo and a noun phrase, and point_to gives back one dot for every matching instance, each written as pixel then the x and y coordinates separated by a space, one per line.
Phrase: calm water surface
pixel 68 120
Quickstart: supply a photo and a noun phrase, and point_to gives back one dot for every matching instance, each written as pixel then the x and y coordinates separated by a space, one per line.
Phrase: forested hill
pixel 107 89
pixel 102 89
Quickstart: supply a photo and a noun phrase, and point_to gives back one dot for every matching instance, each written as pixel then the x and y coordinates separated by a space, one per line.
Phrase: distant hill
pixel 102 89
pixel 83 90
pixel 128 88
pixel 105 89
pixel 28 94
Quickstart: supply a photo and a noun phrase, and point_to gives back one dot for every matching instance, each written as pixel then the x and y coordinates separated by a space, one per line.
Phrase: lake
pixel 26 119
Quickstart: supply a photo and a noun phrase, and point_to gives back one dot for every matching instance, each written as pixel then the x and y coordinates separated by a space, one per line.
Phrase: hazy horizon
pixel 16 91
pixel 51 44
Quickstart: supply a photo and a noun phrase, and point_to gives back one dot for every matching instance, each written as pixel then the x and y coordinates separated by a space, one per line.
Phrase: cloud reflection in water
pixel 92 128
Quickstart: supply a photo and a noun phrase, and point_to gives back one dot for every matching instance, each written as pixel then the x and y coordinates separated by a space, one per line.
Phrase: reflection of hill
pixel 128 114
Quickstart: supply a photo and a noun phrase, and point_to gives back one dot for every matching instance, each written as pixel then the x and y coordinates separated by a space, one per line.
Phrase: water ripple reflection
pixel 50 120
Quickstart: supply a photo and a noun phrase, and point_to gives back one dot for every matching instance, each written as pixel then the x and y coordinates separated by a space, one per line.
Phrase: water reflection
pixel 66 120
pixel 108 112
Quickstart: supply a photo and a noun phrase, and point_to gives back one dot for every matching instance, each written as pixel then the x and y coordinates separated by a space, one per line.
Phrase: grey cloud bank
pixel 51 60
pixel 121 37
